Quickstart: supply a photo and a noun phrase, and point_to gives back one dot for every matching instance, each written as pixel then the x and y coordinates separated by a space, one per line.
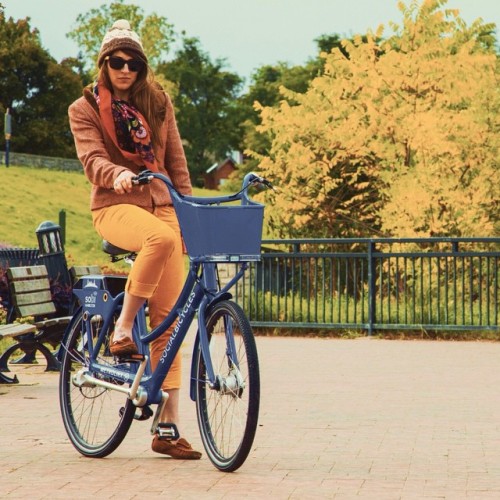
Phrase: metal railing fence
pixel 375 284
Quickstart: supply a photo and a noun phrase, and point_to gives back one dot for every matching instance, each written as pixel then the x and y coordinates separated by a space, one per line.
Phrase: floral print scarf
pixel 127 128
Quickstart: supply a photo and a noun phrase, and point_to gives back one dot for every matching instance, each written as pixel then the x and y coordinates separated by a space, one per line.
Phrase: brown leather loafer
pixel 180 449
pixel 122 347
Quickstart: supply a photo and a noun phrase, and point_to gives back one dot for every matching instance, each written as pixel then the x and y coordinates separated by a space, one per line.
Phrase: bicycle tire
pixel 96 419
pixel 228 414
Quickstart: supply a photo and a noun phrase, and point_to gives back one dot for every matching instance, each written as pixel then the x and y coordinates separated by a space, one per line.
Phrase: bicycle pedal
pixel 145 413
pixel 167 431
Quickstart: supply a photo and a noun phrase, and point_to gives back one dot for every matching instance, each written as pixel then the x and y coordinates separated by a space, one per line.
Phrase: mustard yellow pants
pixel 158 271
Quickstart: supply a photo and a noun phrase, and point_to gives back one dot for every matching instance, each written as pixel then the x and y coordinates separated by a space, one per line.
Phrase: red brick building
pixel 216 175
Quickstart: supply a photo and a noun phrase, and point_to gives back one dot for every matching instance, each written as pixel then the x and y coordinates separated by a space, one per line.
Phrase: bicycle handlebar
pixel 250 179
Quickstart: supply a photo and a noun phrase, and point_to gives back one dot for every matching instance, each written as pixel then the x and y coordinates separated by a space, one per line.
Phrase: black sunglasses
pixel 134 65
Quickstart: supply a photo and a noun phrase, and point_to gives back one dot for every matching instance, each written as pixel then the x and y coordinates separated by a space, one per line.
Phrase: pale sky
pixel 246 33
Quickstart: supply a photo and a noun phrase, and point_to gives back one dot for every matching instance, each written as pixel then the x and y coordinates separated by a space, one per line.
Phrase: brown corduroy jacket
pixel 102 161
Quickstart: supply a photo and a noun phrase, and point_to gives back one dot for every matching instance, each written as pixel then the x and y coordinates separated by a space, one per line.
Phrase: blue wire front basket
pixel 220 232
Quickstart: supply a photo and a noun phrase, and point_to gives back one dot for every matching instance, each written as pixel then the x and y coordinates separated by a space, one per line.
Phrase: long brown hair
pixel 146 95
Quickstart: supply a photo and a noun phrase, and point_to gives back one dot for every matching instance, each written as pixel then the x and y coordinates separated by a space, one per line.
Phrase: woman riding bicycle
pixel 124 123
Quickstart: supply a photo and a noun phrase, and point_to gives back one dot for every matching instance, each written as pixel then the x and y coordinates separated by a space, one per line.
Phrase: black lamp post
pixel 51 253
pixel 8 133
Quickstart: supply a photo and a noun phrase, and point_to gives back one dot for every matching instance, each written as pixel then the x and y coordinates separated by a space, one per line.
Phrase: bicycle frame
pixel 200 291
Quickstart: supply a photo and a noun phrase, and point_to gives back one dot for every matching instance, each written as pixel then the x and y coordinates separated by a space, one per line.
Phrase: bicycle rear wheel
pixel 96 419
pixel 228 413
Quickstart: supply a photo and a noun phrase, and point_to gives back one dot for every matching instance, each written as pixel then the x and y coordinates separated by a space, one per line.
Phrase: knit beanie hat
pixel 121 37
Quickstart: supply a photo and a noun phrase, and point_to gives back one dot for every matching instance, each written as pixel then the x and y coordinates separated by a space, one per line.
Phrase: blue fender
pixel 192 386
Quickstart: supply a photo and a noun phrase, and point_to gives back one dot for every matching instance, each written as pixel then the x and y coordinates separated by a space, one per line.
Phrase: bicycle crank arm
pixel 137 380
pixel 134 392
pixel 159 410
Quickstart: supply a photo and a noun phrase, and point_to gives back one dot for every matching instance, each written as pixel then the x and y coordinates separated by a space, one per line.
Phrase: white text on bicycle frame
pixel 182 316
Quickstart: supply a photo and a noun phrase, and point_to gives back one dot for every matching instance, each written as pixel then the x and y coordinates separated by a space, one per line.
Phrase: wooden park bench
pixel 30 298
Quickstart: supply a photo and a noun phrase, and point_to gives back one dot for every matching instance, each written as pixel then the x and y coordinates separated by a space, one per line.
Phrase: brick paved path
pixel 343 419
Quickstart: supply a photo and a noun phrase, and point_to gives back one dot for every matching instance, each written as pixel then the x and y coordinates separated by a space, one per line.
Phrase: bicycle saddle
pixel 111 249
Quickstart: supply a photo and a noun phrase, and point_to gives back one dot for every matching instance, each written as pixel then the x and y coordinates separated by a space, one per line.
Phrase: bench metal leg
pixel 29 358
pixel 4 359
pixel 8 380
pixel 4 379
pixel 53 365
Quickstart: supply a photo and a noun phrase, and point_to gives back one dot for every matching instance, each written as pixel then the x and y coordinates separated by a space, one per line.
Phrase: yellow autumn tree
pixel 398 138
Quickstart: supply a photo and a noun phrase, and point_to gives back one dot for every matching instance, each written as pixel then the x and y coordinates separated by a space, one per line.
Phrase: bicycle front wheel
pixel 96 419
pixel 228 411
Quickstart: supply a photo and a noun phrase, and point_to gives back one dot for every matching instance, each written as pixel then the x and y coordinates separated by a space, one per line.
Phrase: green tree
pixel 265 86
pixel 156 33
pixel 264 90
pixel 399 135
pixel 207 115
pixel 37 90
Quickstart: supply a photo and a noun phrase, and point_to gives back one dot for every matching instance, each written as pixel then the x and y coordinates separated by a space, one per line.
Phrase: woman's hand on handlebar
pixel 123 183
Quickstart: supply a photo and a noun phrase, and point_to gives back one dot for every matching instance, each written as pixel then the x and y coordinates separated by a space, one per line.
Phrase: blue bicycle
pixel 100 395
